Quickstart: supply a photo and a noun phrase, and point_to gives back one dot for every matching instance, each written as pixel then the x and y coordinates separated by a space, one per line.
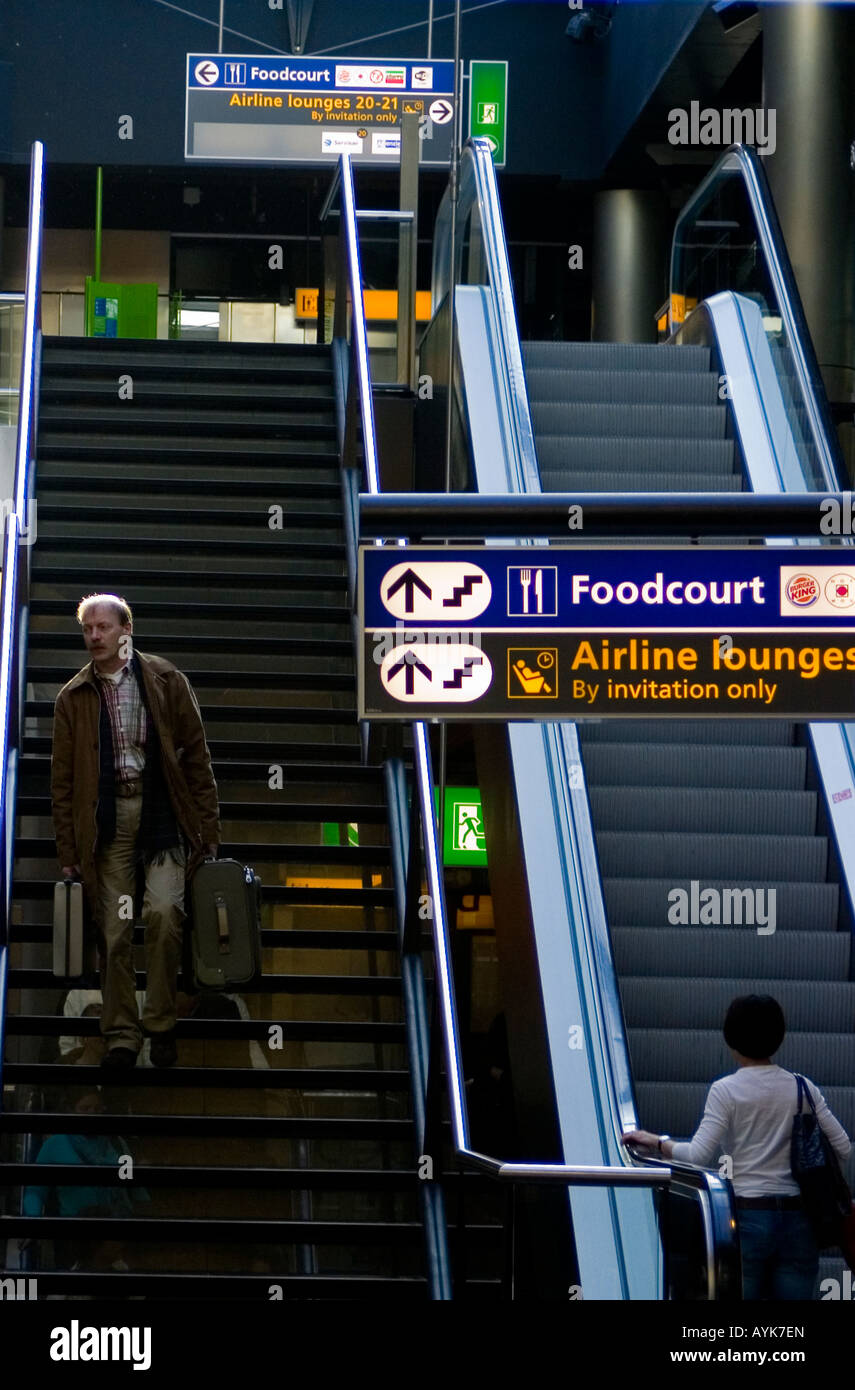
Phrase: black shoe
pixel 164 1052
pixel 119 1058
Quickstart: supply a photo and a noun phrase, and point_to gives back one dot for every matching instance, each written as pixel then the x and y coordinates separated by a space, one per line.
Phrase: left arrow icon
pixel 409 581
pixel 206 73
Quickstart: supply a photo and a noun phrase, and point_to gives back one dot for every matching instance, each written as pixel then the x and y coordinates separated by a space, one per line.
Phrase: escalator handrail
pixel 14 586
pixel 747 163
pixel 478 190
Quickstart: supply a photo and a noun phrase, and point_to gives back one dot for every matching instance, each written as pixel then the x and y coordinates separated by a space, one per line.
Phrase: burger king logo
pixel 802 590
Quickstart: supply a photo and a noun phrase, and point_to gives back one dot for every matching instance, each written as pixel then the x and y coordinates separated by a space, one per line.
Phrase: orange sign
pixel 380 305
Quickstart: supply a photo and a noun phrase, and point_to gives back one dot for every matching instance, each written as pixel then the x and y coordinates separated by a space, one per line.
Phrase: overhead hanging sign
pixel 305 110
pixel 546 633
pixel 488 105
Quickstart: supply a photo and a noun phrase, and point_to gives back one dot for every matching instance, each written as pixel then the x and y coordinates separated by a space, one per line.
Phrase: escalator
pixel 727 805
pixel 664 804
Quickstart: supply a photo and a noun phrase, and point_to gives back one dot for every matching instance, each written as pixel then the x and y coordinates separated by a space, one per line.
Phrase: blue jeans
pixel 780 1259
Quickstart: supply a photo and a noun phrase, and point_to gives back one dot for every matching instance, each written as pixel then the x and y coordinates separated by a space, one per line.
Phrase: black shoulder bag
pixel 825 1194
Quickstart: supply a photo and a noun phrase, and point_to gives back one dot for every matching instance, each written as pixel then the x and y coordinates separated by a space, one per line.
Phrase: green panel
pixel 488 104
pixel 138 311
pixel 333 833
pixel 463 841
pixel 120 311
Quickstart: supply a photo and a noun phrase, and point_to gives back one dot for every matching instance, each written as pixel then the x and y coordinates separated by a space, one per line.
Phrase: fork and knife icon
pixel 525 580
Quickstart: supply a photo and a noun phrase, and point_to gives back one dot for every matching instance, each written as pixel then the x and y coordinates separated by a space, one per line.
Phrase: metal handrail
pixel 342 182
pixel 475 515
pixel 744 160
pixel 14 587
pixel 565 1174
pixel 359 379
pixel 478 193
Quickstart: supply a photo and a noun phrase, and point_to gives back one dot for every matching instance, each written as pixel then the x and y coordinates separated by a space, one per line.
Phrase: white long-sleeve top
pixel 749 1115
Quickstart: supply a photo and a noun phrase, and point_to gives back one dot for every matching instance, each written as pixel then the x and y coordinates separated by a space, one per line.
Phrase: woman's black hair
pixel 754 1025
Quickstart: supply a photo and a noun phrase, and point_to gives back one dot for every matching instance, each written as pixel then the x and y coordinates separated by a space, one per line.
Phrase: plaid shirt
pixel 127 720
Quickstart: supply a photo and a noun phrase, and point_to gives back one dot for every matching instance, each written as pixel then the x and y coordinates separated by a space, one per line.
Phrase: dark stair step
pixel 101 482
pixel 41 890
pixel 233 680
pixel 200 516
pixel 167 449
pixel 218 1029
pixel 232 768
pixel 309 812
pixel 208 1126
pixel 240 646
pixel 335 752
pixel 68 391
pixel 389 985
pixel 273 938
pixel 157 1175
pixel 208 612
pixel 209 1231
pixel 238 1078
pixel 121 546
pixel 229 1288
pixel 171 578
pixel 248 853
pixel 244 359
pixel 125 419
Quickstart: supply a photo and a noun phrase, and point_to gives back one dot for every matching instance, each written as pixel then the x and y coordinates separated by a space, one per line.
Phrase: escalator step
pixel 652 1003
pixel 702 1054
pixel 621 357
pixel 552 384
pixel 698 731
pixel 721 952
pixel 694 764
pixel 634 421
pixel 634 464
pixel 798 857
pixel 645 902
pixel 710 809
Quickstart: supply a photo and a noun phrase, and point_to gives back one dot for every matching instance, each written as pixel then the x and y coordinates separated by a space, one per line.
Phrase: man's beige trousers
pixel 162 914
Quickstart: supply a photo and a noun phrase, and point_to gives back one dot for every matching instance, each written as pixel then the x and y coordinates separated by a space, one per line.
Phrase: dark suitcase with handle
pixel 68 929
pixel 225 906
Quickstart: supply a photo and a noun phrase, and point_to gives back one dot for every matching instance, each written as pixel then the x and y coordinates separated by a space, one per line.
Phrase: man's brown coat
pixel 75 764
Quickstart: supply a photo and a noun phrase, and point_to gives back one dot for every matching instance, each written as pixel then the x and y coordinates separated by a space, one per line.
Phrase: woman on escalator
pixel 749 1117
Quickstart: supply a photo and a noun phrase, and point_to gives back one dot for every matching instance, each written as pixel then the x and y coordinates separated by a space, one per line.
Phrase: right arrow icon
pixel 440 112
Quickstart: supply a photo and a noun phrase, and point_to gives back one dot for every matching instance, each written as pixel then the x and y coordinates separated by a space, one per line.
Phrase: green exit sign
pixel 463 840
pixel 488 104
